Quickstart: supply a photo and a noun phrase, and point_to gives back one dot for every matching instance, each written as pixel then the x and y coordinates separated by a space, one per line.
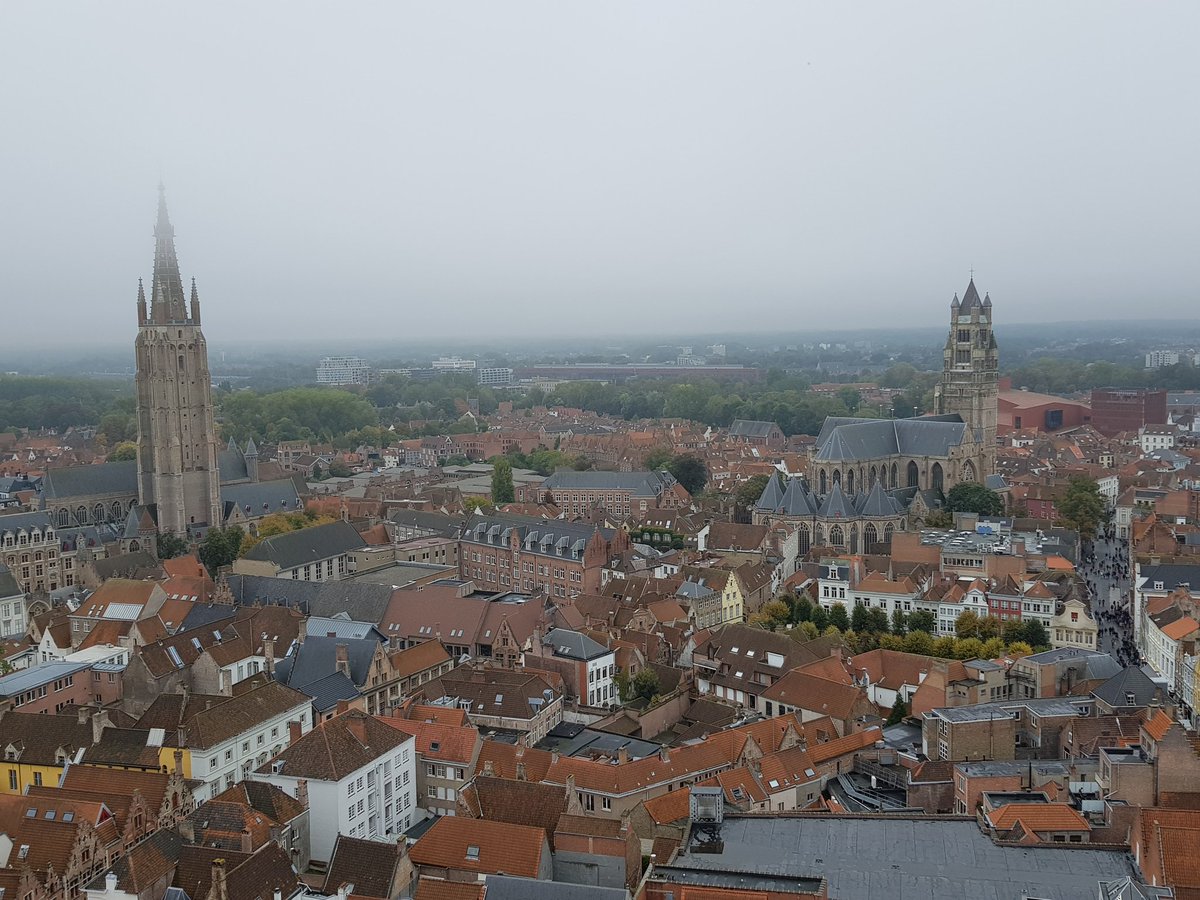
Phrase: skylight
pixel 472 852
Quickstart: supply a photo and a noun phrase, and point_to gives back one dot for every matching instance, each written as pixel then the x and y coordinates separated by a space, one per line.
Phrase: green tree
pixel 802 610
pixel 124 451
pixel 502 482
pixel 922 620
pixel 338 469
pixel 1082 506
pixel 171 545
pixel 645 684
pixel 690 471
pixel 899 710
pixel 805 631
pixel 773 616
pixel 220 547
pixel 1019 649
pixel 657 458
pixel 967 648
pixel 877 621
pixel 899 622
pixel 838 617
pixel 859 618
pixel 1036 634
pixel 919 642
pixel 820 617
pixel 747 494
pixel 940 518
pixel 970 496
pixel 967 624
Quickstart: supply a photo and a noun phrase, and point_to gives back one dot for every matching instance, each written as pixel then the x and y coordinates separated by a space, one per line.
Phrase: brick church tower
pixel 177 445
pixel 970 376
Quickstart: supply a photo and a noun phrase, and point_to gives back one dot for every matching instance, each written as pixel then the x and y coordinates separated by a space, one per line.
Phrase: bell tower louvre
pixel 178 477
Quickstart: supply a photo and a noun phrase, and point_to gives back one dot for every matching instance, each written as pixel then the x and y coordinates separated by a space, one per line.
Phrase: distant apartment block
pixel 1156 359
pixel 453 364
pixel 343 370
pixel 494 376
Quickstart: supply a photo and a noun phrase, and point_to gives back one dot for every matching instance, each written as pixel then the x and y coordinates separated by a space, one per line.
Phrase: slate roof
pixel 341 627
pixel 308 545
pixel 573 644
pixel 639 484
pixel 772 495
pixel 836 504
pixel 257 498
pixel 1130 680
pixel 16 522
pixel 844 439
pixel 38 738
pixel 362 601
pixel 508 887
pixel 750 428
pixel 316 658
pixel 8 584
pixel 209 721
pixel 231 465
pixel 110 478
pixel 137 871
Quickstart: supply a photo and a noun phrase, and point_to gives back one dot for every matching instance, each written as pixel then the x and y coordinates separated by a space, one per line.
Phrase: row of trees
pixel 221 546
pixel 911 630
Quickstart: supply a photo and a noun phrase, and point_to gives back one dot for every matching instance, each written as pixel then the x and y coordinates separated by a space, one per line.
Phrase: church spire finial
pixel 166 287
pixel 195 303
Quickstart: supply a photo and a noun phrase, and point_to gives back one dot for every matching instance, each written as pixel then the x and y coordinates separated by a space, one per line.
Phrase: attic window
pixel 31 813
pixel 733 650
pixel 23 852
pixel 50 814
pixel 68 817
pixel 499 698
pixel 809 773
pixel 750 653
pixel 435 746
pixel 773 783
pixel 472 852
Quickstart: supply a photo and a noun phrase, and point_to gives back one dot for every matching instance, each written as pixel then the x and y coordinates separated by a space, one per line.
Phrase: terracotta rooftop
pixel 478 845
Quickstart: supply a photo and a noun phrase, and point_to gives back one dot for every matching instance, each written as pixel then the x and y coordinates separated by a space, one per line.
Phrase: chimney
pixel 343 659
pixel 247 841
pixel 664 754
pixel 358 728
pixel 343 891
pixel 622 755
pixel 302 630
pixel 83 713
pixel 110 883
pixel 342 706
pixel 278 895
pixel 294 731
pixel 187 830
pixel 488 769
pixel 179 760
pixel 302 792
pixel 100 721
pixel 219 889
pixel 269 654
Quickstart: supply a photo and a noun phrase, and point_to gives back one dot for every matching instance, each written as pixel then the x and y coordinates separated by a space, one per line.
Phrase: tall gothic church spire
pixel 166 287
pixel 970 376
pixel 177 448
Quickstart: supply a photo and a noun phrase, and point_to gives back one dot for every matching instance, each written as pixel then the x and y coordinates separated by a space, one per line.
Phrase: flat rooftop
pixel 893 857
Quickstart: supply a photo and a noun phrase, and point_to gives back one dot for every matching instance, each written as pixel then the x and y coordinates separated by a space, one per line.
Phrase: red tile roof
pixel 477 845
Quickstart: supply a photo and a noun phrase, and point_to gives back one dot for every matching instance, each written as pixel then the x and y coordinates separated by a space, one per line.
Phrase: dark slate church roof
pixel 361 601
pixel 798 501
pixel 308 545
pixel 844 439
pixel 751 428
pixel 262 497
pixel 87 481
pixel 316 659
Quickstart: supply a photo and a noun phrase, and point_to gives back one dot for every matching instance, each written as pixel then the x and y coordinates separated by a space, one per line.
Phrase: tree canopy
pixel 690 471
pixel 1082 506
pixel 971 496
pixel 502 482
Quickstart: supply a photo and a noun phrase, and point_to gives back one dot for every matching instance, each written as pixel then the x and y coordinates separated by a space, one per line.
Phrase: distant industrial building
pixel 454 364
pixel 343 370
pixel 495 376
pixel 604 372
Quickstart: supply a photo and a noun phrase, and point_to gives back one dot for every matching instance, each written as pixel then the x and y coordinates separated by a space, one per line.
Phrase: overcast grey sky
pixel 502 168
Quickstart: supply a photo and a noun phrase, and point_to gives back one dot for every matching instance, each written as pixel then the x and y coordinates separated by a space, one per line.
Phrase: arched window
pixel 134 546
pixel 850 480
pixel 837 476
pixel 870 537
pixel 820 535
pixel 873 476
pixel 81 515
pixel 837 538
pixel 98 513
pixel 853 538
pixel 117 512
pixel 969 471
pixel 804 538
pixel 64 517
pixel 914 475
pixel 824 483
pixel 887 533
pixel 936 478
pixel 892 481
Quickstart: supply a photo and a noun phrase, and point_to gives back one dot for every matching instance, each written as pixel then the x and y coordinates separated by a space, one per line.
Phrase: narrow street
pixel 1105 571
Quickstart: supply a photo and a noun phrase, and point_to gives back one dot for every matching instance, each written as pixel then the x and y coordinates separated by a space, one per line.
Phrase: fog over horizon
pixel 481 170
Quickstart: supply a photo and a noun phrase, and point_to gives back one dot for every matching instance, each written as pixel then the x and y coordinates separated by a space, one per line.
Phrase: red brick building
pixel 1114 411
pixel 519 553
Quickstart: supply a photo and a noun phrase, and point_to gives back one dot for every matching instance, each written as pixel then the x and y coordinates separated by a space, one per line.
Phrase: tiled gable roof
pixel 369 865
pixel 1037 817
pixel 516 802
pixel 821 695
pixel 497 847
pixel 445 743
pixel 337 747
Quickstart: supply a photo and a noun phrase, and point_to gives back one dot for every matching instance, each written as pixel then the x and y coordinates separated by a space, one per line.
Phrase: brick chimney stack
pixel 343 659
pixel 219 889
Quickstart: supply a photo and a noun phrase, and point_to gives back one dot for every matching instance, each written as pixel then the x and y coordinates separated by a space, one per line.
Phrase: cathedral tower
pixel 970 376
pixel 177 445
